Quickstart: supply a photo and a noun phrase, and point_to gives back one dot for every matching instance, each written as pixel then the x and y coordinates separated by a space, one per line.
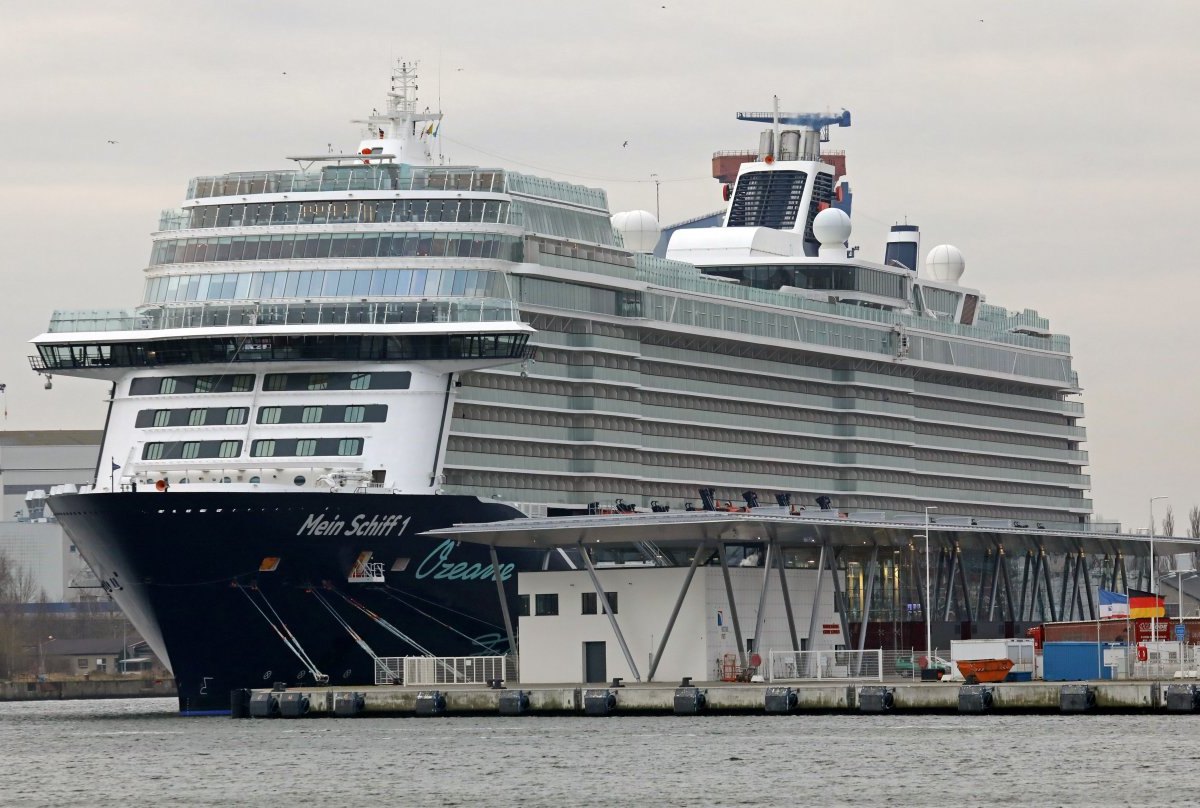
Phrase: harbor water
pixel 140 752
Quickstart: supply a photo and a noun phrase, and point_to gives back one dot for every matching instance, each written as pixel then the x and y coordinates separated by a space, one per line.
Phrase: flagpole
pixel 112 475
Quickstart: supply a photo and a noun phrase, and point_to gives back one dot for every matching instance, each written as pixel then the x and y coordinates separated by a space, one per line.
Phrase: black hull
pixel 185 568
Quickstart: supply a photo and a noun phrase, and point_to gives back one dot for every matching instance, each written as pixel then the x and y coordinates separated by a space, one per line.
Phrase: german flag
pixel 1145 604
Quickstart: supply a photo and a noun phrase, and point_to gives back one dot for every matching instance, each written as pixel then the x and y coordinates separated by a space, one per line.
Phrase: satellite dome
pixel 638 228
pixel 832 228
pixel 945 263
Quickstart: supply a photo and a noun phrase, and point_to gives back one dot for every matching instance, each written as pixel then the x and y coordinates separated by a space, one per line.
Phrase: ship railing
pixel 791 666
pixel 367 572
pixel 389 670
pixel 467 670
pixel 425 310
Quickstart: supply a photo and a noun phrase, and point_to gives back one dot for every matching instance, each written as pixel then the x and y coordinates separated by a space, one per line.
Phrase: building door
pixel 594 662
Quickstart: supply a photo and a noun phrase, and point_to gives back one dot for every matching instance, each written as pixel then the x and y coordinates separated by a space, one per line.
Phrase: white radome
pixel 831 227
pixel 945 263
pixel 638 228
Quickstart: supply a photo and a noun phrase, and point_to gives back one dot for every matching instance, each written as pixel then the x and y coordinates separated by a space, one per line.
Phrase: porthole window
pixel 299 480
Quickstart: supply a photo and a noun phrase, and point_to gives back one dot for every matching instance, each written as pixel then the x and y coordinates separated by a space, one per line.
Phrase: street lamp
pixel 1153 573
pixel 928 603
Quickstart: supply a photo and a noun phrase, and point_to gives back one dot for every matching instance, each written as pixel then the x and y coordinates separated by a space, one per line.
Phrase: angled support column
pixel 762 600
pixel 1008 598
pixel 1087 588
pixel 841 602
pixel 1035 603
pixel 1025 586
pixel 962 583
pixel 733 615
pixel 916 568
pixel 512 640
pixel 937 589
pixel 1124 578
pixel 995 584
pixel 612 618
pixel 950 584
pixel 687 583
pixel 1065 606
pixel 814 615
pixel 1054 614
pixel 988 568
pixel 873 564
pixel 787 600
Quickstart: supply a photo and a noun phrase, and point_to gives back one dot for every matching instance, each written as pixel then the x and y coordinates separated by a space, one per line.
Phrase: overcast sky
pixel 1055 143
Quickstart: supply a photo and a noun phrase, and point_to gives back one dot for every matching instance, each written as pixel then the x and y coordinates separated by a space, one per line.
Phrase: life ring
pixel 1143 653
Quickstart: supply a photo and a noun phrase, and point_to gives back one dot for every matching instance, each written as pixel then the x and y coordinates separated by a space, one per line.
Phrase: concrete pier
pixel 725 698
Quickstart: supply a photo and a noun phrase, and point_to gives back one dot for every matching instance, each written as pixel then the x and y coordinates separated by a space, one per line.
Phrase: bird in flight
pixel 112 141
pixel 626 143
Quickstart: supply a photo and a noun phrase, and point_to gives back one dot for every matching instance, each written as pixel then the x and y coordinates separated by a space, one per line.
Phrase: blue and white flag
pixel 114 464
pixel 1113 604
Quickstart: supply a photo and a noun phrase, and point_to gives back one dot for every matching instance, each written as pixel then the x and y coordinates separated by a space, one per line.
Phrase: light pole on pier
pixel 928 604
pixel 1153 573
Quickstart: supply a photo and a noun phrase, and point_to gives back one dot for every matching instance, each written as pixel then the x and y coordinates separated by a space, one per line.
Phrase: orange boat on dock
pixel 984 671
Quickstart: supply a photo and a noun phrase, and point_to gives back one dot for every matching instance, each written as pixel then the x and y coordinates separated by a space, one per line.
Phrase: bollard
pixel 689 701
pixel 975 699
pixel 1076 698
pixel 875 699
pixel 780 700
pixel 514 702
pixel 599 702
pixel 431 703
pixel 348 705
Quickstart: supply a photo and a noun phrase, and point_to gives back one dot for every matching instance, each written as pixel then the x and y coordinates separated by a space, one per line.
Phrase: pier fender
pixel 690 700
pixel 1076 698
pixel 876 699
pixel 239 703
pixel 1183 698
pixel 264 704
pixel 293 705
pixel 780 699
pixel 431 703
pixel 975 699
pixel 514 702
pixel 348 705
pixel 599 702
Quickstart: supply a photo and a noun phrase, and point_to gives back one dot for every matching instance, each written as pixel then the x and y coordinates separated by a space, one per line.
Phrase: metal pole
pixel 928 602
pixel 866 610
pixel 687 582
pixel 512 640
pixel 733 615
pixel 612 618
pixel 1153 574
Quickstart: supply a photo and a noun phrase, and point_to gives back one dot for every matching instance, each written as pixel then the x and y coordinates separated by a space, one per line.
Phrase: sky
pixel 1053 143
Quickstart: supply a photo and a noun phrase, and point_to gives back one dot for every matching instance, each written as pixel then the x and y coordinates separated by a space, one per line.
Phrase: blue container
pixel 1073 662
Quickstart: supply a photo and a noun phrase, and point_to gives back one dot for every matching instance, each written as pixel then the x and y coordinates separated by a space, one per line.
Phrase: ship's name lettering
pixel 317 524
pixel 437 565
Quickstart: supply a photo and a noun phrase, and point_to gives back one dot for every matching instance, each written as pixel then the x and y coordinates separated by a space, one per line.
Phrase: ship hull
pixel 193 572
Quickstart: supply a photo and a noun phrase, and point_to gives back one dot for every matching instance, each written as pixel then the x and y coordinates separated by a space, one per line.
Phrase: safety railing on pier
pixel 786 666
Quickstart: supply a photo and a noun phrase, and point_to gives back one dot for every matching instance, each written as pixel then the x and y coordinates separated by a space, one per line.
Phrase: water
pixel 139 752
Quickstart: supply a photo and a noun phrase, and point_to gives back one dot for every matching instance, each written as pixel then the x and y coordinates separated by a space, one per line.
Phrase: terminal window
pixel 545 605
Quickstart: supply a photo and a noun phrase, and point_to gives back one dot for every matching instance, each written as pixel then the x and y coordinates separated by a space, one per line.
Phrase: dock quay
pixel 720 698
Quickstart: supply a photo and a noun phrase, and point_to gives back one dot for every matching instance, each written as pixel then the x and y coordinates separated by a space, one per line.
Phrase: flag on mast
pixel 1113 604
pixel 1146 604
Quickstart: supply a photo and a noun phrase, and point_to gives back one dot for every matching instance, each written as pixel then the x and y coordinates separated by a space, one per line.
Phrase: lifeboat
pixel 977 671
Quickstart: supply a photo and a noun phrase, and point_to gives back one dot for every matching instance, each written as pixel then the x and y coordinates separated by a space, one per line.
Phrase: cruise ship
pixel 332 359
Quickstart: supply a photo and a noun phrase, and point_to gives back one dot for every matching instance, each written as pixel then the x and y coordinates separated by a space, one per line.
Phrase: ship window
pixel 311 415
pixel 235 415
pixel 589 603
pixel 162 417
pixel 350 446
pixel 153 451
pixel 197 417
pixel 355 415
pixel 360 381
pixel 318 381
pixel 546 605
pixel 167 386
pixel 204 384
pixel 306 447
pixel 522 605
pixel 269 415
pixel 242 383
pixel 275 381
pixel 263 448
pixel 191 449
pixel 230 448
